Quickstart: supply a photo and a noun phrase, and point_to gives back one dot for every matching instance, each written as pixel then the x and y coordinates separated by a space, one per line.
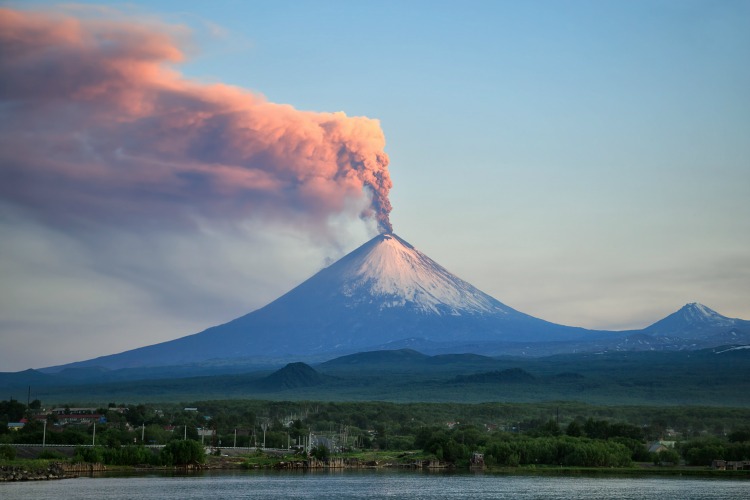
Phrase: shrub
pixel 7 452
pixel 183 453
pixel 51 455
pixel 320 452
pixel 665 457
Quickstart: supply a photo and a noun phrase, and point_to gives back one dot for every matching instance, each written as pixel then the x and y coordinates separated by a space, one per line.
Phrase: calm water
pixel 373 484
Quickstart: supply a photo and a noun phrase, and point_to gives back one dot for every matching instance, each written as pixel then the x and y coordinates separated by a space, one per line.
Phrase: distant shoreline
pixel 638 470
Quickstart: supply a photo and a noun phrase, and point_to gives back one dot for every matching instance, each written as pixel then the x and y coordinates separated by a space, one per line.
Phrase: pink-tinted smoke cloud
pixel 96 124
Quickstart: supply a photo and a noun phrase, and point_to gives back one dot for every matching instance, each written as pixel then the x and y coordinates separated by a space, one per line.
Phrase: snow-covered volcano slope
pixel 388 272
pixel 384 291
pixel 387 290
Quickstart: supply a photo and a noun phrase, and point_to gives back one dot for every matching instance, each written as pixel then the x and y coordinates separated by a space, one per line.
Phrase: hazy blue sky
pixel 585 162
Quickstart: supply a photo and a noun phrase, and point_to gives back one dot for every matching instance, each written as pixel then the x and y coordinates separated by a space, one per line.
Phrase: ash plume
pixel 98 125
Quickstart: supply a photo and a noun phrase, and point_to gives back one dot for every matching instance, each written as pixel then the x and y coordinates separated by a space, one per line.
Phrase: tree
pixel 550 428
pixel 668 456
pixel 739 436
pixel 183 453
pixel 574 429
pixel 7 452
pixel 596 429
pixel 320 452
pixel 11 411
pixel 702 451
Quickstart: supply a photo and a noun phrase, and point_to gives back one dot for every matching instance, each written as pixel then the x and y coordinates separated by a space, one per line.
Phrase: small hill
pixel 292 376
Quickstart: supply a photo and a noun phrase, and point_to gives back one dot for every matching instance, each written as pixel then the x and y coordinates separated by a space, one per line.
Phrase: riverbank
pixel 386 460
pixel 39 470
pixel 33 471
pixel 45 470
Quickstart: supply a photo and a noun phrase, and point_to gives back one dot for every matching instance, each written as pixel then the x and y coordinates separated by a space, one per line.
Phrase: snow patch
pixel 738 348
pixel 698 313
pixel 400 276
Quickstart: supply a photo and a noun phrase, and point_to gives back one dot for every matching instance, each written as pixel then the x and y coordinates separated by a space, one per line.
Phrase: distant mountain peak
pixel 698 313
pixel 693 317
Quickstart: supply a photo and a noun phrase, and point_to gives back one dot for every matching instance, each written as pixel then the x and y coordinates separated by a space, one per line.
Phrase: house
pixel 738 464
pixel 477 460
pixel 80 416
pixel 658 446
pixel 15 426
pixel 324 441
pixel 730 464
pixel 203 432
pixel 73 411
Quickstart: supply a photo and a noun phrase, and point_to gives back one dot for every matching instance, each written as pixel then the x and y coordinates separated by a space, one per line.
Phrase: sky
pixel 168 166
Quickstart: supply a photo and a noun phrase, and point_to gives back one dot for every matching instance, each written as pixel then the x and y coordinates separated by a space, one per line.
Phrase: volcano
pixel 386 294
pixel 696 321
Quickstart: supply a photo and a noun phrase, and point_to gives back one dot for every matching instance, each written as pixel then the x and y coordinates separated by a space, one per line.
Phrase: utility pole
pixel 184 438
pixel 93 438
pixel 143 431
pixel 235 439
pixel 44 434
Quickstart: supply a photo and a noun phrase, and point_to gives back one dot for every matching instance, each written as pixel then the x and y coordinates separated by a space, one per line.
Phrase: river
pixel 373 484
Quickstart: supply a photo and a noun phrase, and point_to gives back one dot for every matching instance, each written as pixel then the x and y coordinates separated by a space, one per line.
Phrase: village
pixel 315 431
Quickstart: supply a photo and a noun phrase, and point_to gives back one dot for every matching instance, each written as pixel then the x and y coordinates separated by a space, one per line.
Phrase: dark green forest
pixel 712 377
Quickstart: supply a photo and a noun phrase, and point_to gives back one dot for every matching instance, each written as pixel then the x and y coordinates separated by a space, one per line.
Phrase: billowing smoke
pixel 97 125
